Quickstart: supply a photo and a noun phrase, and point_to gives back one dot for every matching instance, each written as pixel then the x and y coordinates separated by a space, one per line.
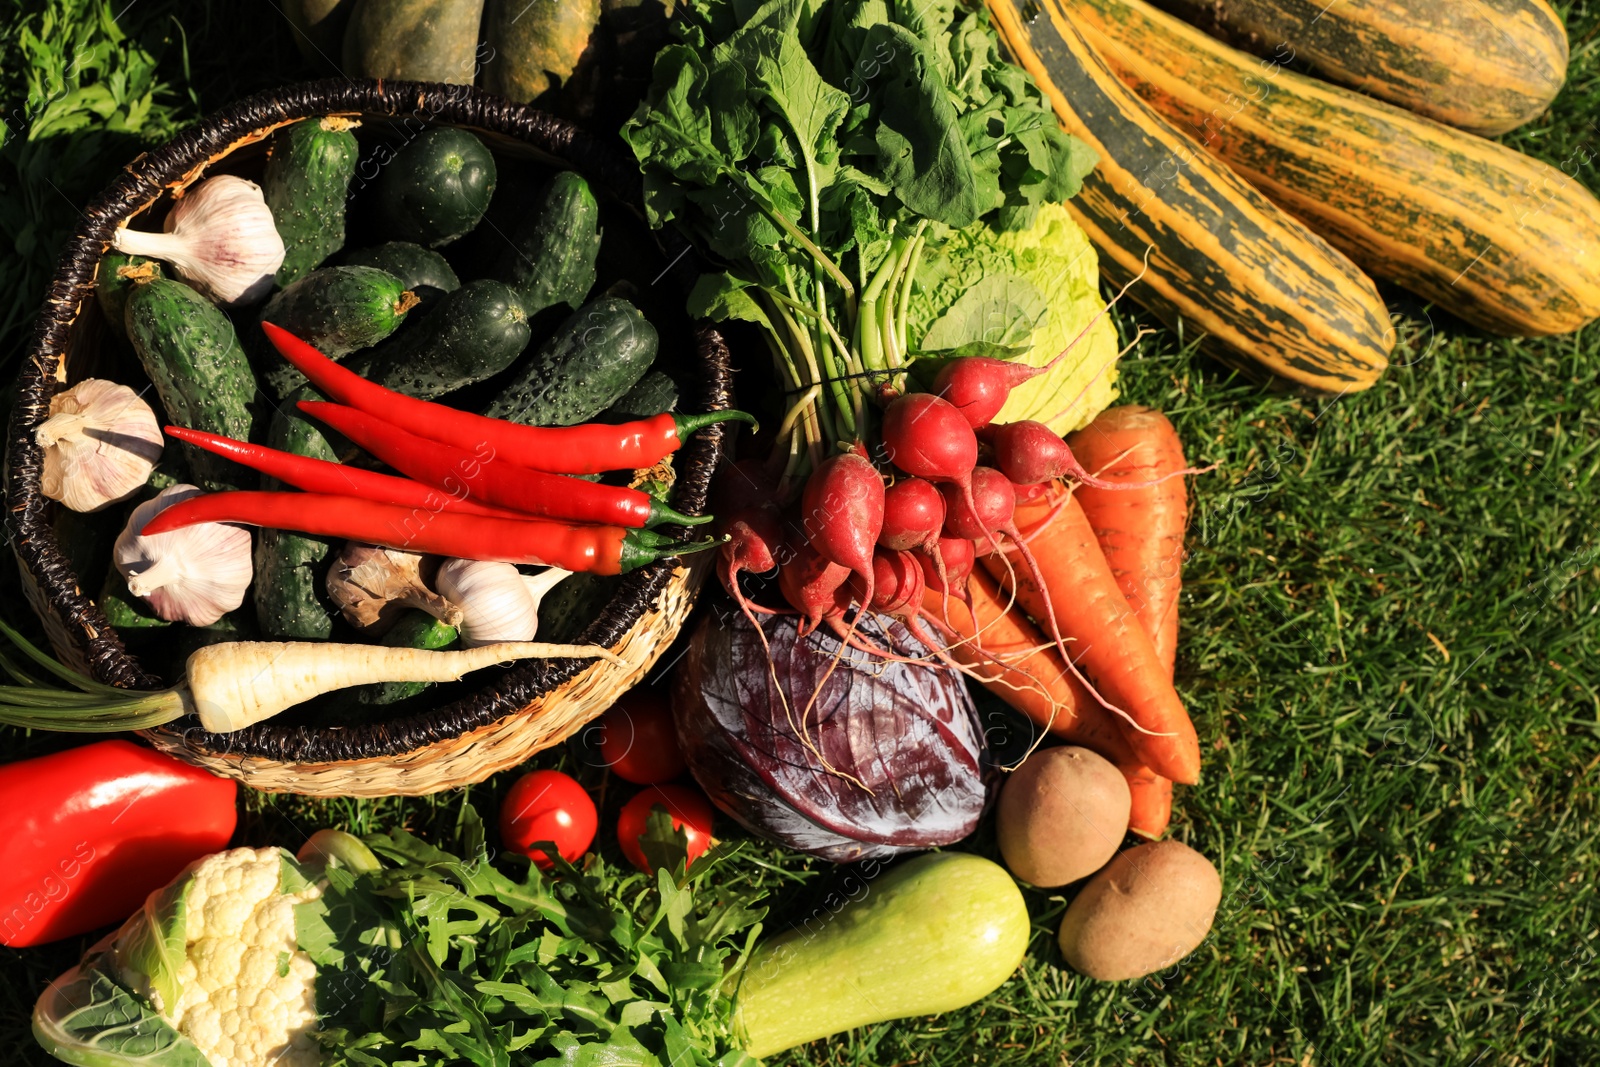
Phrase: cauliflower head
pixel 215 953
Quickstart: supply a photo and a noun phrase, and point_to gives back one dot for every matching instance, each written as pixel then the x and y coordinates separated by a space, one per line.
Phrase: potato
pixel 1149 908
pixel 1062 815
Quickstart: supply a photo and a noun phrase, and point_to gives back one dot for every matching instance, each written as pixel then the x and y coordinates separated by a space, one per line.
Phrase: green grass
pixel 1390 634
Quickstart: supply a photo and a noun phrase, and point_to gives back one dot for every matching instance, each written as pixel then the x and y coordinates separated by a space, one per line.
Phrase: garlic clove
pixel 495 600
pixel 373 587
pixel 100 444
pixel 219 237
pixel 195 575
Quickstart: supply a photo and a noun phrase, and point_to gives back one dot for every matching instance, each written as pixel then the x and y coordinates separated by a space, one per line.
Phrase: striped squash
pixel 1506 242
pixel 1487 66
pixel 1221 255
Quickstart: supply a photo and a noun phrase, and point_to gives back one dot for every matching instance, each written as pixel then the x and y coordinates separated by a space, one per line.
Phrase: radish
pixel 814 586
pixel 1030 453
pixel 948 565
pixel 927 437
pixel 993 501
pixel 755 539
pixel 842 509
pixel 978 387
pixel 913 514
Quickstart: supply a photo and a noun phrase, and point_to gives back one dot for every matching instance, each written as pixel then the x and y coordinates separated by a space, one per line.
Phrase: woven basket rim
pixel 174 165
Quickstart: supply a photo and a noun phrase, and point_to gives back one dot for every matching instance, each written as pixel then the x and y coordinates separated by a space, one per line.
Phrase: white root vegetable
pixel 239 683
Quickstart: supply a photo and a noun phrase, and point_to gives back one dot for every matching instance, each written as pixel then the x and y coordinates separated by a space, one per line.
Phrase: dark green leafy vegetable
pixel 816 150
pixel 439 958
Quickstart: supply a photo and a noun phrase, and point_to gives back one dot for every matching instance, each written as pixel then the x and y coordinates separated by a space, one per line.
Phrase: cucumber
pixel 654 394
pixel 568 609
pixel 436 188
pixel 112 285
pixel 471 334
pixel 306 184
pixel 291 568
pixel 553 249
pixel 337 310
pixel 123 610
pixel 416 629
pixel 417 268
pixel 189 350
pixel 596 356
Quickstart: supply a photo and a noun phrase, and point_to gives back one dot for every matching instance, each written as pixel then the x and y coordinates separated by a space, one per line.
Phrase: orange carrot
pixel 1141 533
pixel 1033 680
pixel 1109 644
pixel 1139 530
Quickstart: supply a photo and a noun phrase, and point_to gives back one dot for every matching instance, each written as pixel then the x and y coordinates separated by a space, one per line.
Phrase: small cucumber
pixel 568 609
pixel 117 276
pixel 337 310
pixel 290 567
pixel 553 249
pixel 417 268
pixel 201 375
pixel 654 394
pixel 437 187
pixel 416 629
pixel 123 610
pixel 471 334
pixel 306 183
pixel 596 356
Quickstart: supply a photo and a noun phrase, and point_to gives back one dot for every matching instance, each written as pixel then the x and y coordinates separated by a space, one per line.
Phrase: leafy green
pixel 89 1019
pixel 810 146
pixel 151 946
pixel 438 956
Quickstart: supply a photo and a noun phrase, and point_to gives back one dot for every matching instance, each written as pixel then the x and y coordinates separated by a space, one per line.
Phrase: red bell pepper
pixel 91 831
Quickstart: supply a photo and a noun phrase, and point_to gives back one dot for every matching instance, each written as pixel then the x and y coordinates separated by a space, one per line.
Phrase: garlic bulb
pixel 498 603
pixel 374 586
pixel 196 574
pixel 100 444
pixel 219 237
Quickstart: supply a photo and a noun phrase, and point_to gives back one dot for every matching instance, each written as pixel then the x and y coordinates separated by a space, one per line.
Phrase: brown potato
pixel 1149 908
pixel 1062 815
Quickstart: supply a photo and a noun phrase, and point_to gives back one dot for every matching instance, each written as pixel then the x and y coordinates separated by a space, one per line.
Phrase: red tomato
pixel 638 741
pixel 690 811
pixel 548 806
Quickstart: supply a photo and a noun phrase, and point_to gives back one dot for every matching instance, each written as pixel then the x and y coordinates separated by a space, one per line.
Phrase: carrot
pixel 1040 687
pixel 1140 530
pixel 1109 644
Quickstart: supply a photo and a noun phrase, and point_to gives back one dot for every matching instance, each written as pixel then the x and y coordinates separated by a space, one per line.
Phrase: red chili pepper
pixel 320 476
pixel 591 449
pixel 91 831
pixel 595 549
pixel 477 474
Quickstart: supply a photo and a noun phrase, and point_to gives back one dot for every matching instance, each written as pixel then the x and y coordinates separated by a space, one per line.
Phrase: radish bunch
pixel 855 536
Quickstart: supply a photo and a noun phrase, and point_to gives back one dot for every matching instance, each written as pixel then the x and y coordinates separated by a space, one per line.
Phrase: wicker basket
pixel 528 706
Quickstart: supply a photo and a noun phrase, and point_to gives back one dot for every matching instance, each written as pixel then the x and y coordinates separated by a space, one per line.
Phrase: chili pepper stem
pixel 688 424
pixel 660 513
pixel 637 551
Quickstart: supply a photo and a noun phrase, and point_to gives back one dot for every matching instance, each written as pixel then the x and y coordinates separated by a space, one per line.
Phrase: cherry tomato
pixel 689 809
pixel 638 741
pixel 548 806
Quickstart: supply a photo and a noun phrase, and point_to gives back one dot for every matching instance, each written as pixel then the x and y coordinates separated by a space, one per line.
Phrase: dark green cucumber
pixel 114 280
pixel 417 268
pixel 416 629
pixel 596 356
pixel 654 394
pixel 437 187
pixel 306 184
pixel 290 567
pixel 472 334
pixel 336 310
pixel 124 611
pixel 553 249
pixel 201 375
pixel 568 609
